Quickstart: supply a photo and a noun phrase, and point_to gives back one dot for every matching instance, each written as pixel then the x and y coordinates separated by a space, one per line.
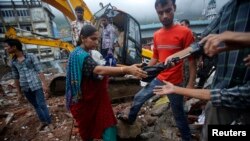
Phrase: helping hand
pixel 136 71
pixel 168 59
pixel 214 43
pixel 165 89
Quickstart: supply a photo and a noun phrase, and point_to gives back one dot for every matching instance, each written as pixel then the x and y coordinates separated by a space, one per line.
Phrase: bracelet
pixel 121 68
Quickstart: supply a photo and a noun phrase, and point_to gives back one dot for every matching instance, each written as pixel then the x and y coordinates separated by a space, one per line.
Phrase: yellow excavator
pixel 129 50
pixel 56 43
pixel 67 8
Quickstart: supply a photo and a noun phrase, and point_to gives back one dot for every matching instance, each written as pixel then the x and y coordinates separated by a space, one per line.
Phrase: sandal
pixel 123 118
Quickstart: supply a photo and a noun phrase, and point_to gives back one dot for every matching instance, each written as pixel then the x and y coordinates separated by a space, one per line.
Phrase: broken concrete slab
pixel 5 120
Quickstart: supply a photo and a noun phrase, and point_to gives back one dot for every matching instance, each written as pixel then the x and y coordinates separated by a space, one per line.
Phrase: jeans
pixel 36 98
pixel 176 103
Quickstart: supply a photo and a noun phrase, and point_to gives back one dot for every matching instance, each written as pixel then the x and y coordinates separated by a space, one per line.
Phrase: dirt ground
pixel 22 122
pixel 3 70
pixel 23 125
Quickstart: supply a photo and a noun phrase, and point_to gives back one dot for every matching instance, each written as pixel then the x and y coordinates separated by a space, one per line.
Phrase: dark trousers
pixel 36 98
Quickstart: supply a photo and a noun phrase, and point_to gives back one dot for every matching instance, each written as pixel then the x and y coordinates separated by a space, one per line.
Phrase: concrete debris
pixel 150 120
pixel 158 110
pixel 8 86
pixel 126 131
pixel 50 136
pixel 147 135
pixel 189 103
pixel 155 121
pixel 5 120
pixel 20 112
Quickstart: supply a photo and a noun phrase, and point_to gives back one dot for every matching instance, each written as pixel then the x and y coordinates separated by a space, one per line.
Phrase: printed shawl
pixel 74 75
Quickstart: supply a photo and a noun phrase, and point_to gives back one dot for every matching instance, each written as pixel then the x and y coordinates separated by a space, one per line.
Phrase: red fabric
pixel 168 42
pixel 93 113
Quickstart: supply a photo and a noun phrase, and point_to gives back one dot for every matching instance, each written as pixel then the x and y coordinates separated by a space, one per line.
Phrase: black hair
pixel 104 16
pixel 86 31
pixel 14 42
pixel 79 8
pixel 163 2
pixel 186 21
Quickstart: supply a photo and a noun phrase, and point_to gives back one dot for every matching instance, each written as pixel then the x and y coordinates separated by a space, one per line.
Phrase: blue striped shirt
pixel 231 85
pixel 27 72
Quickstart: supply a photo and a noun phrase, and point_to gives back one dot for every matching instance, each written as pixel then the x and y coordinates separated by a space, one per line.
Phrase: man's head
pixel 185 22
pixel 165 10
pixel 79 12
pixel 105 20
pixel 12 45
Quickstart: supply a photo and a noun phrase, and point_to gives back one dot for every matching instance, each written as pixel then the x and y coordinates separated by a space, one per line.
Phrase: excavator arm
pixel 67 8
pixel 56 43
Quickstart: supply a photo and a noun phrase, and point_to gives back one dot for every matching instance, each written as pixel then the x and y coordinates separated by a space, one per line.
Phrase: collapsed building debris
pixel 154 123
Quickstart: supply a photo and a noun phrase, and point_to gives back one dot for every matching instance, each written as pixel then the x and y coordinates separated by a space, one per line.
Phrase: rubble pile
pixel 18 120
pixel 155 122
pixel 23 122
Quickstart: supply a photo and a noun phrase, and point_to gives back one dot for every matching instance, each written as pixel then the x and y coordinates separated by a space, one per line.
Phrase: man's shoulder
pixel 158 31
pixel 26 55
pixel 31 56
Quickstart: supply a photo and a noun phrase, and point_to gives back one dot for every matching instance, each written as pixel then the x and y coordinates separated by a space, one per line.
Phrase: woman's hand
pixel 136 71
pixel 168 88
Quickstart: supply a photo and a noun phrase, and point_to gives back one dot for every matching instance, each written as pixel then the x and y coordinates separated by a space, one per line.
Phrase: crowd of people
pixel 227 37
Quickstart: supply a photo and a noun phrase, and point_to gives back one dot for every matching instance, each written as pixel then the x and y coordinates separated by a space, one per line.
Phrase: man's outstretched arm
pixel 235 97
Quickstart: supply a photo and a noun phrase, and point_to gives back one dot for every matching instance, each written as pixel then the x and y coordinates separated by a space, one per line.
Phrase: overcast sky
pixel 144 12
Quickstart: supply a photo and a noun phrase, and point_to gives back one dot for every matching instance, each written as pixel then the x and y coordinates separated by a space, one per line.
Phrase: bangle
pixel 121 68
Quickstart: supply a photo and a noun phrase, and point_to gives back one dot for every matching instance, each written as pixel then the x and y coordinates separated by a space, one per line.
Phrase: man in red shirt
pixel 171 38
